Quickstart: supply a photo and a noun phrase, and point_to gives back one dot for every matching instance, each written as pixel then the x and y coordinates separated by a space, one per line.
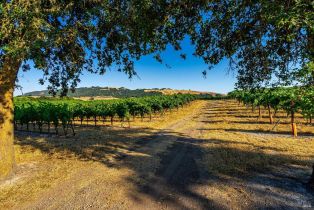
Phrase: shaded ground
pixel 201 157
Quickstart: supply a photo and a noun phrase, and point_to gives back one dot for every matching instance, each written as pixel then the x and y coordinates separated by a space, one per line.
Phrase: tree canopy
pixel 266 41
pixel 262 39
pixel 63 38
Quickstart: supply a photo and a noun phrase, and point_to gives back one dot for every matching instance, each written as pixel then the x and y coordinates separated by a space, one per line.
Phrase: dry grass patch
pixel 239 143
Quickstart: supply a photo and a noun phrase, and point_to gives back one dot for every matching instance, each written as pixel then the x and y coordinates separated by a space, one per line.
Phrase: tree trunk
pixel 271 121
pixel 292 117
pixel 259 112
pixel 8 74
pixel 293 124
pixel 72 127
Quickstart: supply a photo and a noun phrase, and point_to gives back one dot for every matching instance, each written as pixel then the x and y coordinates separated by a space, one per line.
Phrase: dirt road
pixel 170 169
pixel 164 179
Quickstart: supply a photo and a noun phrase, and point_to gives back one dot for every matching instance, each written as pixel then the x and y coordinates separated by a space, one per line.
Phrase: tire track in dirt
pixel 176 177
pixel 179 177
pixel 175 181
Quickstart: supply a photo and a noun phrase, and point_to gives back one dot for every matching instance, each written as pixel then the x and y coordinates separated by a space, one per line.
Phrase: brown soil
pixel 194 161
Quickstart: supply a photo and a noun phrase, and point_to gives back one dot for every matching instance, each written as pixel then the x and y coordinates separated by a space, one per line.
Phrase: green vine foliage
pixel 63 111
pixel 289 99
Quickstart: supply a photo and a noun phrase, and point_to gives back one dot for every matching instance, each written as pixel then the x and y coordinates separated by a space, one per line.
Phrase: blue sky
pixel 183 74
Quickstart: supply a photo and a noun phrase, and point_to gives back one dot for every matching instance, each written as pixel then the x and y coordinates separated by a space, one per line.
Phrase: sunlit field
pixel 213 153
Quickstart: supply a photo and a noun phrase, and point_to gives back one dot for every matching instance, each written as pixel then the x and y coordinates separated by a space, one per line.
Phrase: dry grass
pixel 241 143
pixel 250 164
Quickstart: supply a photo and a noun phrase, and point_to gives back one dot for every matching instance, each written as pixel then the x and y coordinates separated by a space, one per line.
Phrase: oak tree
pixel 64 37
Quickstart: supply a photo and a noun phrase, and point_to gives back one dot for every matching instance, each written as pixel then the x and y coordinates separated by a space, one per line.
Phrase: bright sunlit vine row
pixel 292 100
pixel 62 112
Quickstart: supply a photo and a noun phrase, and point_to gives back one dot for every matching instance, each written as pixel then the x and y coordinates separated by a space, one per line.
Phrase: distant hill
pixel 169 91
pixel 111 92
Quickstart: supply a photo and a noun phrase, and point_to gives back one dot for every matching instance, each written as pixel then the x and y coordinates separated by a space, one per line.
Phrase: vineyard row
pixel 292 100
pixel 63 112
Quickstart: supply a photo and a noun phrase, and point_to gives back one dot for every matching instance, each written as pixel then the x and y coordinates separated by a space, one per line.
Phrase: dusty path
pixel 171 170
pixel 159 182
